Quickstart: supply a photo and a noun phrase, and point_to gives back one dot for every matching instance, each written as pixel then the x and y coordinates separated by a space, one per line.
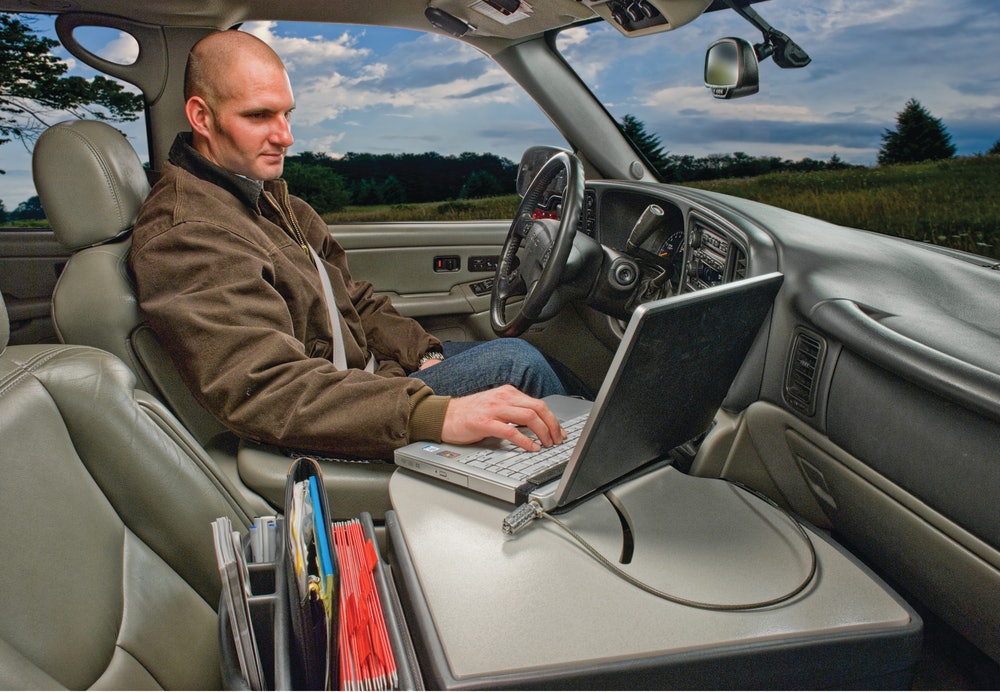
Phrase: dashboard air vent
pixel 739 264
pixel 588 217
pixel 805 362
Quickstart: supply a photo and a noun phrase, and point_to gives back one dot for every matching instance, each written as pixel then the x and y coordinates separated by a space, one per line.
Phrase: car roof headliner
pixel 544 16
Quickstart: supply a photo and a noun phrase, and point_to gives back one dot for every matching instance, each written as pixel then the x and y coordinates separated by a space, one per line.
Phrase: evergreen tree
pixel 392 191
pixel 480 184
pixel 649 146
pixel 368 193
pixel 995 149
pixel 918 136
pixel 320 186
pixel 835 163
pixel 33 88
pixel 28 210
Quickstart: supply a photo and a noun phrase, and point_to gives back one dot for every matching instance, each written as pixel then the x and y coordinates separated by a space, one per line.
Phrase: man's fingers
pixel 534 414
pixel 496 413
pixel 540 421
pixel 513 435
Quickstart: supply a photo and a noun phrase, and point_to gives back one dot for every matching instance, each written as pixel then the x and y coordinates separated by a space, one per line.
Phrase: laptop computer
pixel 668 378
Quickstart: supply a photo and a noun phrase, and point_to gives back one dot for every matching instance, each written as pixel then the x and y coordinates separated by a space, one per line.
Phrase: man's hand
pixel 475 417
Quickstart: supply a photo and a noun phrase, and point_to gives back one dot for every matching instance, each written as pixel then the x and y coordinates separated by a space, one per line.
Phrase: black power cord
pixel 523 515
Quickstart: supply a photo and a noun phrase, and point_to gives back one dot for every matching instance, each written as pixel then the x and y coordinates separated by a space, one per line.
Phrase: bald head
pixel 238 100
pixel 217 58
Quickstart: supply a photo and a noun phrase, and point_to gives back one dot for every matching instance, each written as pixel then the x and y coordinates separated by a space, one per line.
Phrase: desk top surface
pixel 538 600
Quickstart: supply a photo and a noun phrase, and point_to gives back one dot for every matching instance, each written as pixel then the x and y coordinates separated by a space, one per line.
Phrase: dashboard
pixel 689 248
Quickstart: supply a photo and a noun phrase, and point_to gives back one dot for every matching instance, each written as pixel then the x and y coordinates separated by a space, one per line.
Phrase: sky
pixel 392 91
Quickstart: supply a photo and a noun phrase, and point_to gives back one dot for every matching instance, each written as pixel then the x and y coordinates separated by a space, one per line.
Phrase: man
pixel 228 269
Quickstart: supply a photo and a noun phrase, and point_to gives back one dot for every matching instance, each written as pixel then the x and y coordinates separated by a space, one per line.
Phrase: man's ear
pixel 199 115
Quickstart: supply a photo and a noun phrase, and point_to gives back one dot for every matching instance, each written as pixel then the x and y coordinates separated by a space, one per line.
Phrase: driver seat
pixel 91 185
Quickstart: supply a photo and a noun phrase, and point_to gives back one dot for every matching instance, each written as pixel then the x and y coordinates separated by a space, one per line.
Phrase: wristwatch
pixel 430 355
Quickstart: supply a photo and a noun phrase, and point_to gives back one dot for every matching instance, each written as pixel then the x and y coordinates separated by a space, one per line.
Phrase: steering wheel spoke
pixel 510 286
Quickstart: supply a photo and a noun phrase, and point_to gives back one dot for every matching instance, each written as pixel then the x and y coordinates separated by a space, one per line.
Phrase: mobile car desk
pixel 536 610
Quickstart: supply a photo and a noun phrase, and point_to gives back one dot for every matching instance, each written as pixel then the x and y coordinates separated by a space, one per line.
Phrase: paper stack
pixel 236 595
pixel 366 658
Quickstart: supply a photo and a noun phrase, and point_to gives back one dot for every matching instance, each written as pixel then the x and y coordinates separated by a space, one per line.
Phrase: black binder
pixel 314 645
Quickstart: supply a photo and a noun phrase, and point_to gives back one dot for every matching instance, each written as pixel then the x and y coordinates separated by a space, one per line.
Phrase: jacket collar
pixel 185 156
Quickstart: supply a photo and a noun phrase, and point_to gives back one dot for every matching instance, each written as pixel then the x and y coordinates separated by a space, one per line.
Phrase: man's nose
pixel 281 134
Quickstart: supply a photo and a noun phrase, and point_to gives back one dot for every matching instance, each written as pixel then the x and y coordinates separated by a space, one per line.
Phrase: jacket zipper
pixel 285 212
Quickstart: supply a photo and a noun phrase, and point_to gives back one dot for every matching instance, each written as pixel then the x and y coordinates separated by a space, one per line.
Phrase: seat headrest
pixel 4 325
pixel 89 180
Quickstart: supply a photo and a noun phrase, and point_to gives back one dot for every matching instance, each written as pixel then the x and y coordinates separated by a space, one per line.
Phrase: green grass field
pixel 954 203
pixel 457 210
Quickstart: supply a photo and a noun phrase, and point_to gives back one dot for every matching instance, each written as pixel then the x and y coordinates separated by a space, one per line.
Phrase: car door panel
pixel 400 257
pixel 402 261
pixel 30 263
pixel 437 273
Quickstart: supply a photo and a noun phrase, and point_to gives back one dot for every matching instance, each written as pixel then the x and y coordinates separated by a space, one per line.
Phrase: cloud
pixel 123 50
pixel 838 15
pixel 307 52
pixel 424 74
pixel 825 107
pixel 324 144
pixel 479 91
pixel 868 59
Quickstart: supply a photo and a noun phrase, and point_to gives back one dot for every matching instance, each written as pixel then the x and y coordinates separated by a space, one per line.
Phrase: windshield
pixel 866 65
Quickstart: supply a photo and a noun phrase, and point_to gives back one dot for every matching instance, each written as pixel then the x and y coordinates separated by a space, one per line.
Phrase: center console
pixel 714 257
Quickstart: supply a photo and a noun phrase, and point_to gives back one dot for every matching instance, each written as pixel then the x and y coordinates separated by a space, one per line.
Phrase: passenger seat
pixel 108 575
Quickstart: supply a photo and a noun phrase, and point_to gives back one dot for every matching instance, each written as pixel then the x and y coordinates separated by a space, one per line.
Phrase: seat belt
pixel 339 358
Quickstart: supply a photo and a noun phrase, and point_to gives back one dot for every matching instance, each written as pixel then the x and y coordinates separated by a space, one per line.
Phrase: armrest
pixel 352 487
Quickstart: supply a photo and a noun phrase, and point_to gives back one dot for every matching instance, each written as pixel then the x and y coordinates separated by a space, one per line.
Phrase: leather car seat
pixel 91 184
pixel 109 577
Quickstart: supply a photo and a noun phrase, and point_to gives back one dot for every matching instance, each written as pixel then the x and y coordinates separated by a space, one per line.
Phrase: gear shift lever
pixel 644 227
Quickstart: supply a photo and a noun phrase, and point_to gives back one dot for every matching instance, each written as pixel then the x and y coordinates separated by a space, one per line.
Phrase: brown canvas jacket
pixel 226 282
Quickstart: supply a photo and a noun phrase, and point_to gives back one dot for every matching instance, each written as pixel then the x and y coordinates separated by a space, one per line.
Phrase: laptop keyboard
pixel 520 465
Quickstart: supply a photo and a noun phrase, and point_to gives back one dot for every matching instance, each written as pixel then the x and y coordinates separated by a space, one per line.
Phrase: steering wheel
pixel 534 254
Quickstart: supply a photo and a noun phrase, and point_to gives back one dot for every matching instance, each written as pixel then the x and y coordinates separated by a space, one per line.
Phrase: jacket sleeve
pixel 209 293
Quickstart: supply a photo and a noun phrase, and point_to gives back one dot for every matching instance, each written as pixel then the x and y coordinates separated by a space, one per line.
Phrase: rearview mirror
pixel 731 68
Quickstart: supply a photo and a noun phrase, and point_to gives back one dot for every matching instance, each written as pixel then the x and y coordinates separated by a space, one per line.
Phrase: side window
pixel 399 125
pixel 25 112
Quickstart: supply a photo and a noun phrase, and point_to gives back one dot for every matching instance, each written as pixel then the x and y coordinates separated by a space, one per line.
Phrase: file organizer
pixel 271 604
pixel 313 603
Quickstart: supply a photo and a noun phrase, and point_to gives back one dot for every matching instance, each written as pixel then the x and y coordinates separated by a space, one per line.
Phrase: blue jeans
pixel 475 366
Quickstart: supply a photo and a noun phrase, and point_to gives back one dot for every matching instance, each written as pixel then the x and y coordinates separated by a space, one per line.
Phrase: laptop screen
pixel 676 362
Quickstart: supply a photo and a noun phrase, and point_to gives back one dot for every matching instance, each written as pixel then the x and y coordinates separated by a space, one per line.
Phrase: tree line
pixel 329 184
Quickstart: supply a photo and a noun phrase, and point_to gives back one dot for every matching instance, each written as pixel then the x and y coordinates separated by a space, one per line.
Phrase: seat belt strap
pixel 339 358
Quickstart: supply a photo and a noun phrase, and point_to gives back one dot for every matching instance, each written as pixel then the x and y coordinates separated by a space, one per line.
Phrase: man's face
pixel 246 130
